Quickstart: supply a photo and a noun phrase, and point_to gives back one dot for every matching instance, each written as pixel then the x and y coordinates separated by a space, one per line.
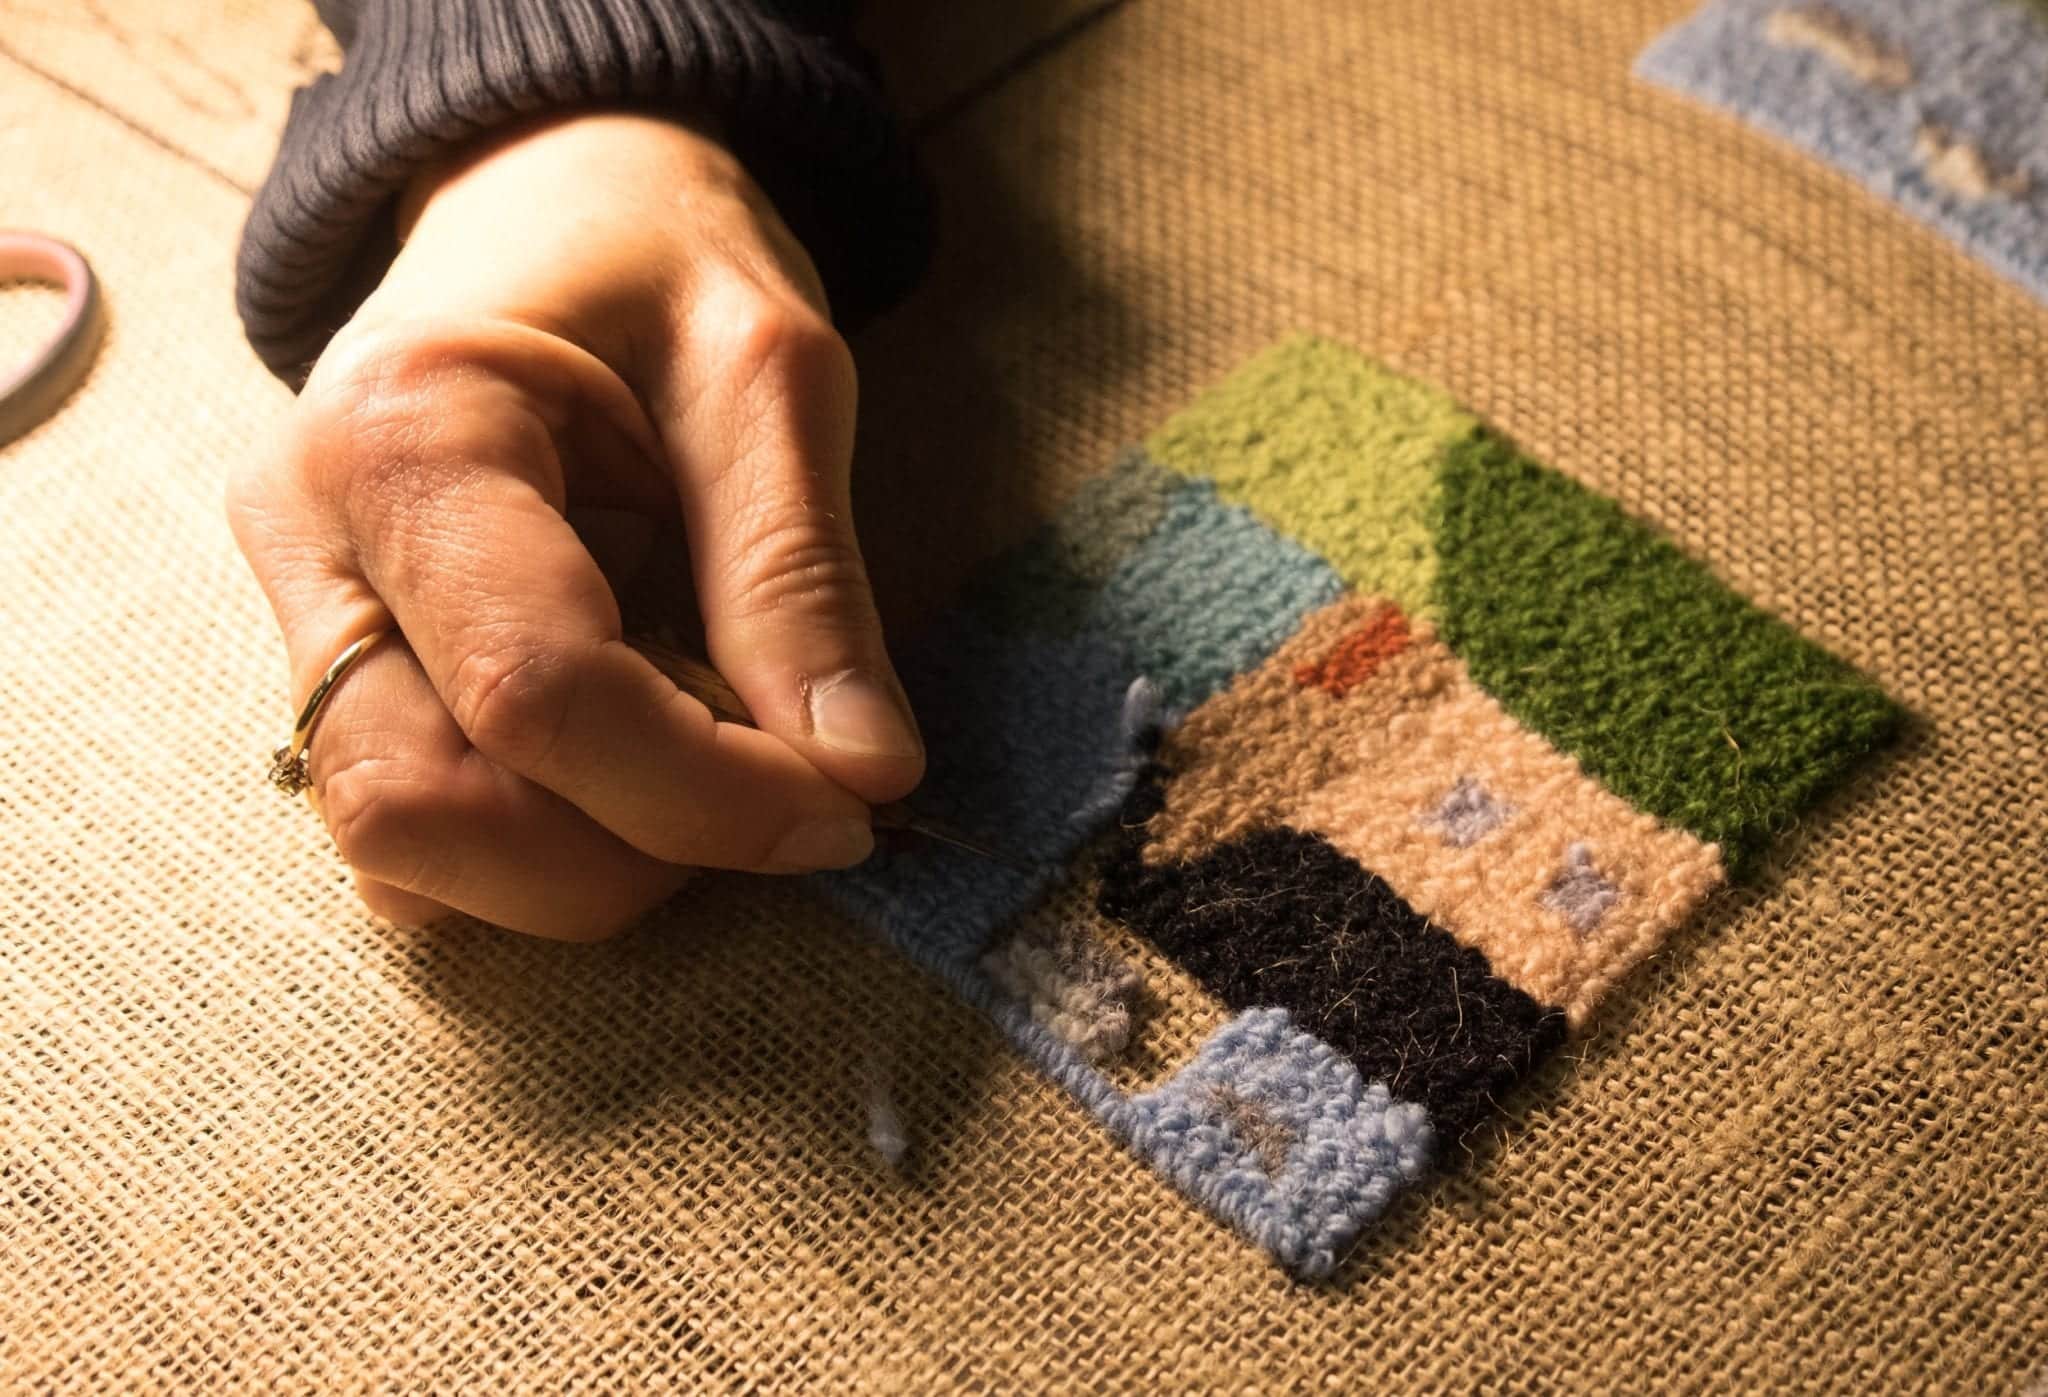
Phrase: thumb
pixel 762 455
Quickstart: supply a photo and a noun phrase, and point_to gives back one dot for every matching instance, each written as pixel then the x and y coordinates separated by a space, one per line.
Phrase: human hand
pixel 599 311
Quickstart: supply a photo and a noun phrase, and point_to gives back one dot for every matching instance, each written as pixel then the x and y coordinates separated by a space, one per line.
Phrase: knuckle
pixel 780 344
pixel 246 494
pixel 250 502
pixel 792 554
pixel 512 701
pixel 363 438
pixel 381 814
pixel 389 359
pixel 392 420
pixel 261 498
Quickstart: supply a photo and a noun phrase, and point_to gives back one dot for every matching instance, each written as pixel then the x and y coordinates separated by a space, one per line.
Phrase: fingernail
pixel 855 712
pixel 824 844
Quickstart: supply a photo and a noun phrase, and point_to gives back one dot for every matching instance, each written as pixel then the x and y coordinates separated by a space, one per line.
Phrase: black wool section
pixel 1281 918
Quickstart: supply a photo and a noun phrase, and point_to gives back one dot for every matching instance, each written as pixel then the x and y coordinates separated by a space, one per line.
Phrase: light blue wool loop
pixel 1144 712
pixel 1144 709
pixel 1974 71
pixel 1349 1145
pixel 1352 1145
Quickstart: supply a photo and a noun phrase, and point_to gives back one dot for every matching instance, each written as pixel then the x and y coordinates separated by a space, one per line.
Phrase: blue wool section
pixel 1036 698
pixel 1973 70
pixel 1025 726
pixel 1209 596
pixel 1020 730
pixel 1276 1132
pixel 1270 1129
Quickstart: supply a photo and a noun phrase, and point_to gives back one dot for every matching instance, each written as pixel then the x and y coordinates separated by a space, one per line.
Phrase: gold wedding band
pixel 288 763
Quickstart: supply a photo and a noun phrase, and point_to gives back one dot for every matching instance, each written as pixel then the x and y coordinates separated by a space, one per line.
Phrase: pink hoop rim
pixel 31 392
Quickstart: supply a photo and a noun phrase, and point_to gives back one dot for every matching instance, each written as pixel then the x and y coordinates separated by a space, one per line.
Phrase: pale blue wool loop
pixel 1211 594
pixel 1144 712
pixel 1350 1146
pixel 1353 1146
pixel 1978 71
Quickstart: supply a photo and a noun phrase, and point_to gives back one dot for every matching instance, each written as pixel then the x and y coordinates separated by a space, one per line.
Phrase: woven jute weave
pixel 251 1138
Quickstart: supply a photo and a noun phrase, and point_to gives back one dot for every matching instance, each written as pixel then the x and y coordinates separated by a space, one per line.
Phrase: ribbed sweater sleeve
pixel 797 101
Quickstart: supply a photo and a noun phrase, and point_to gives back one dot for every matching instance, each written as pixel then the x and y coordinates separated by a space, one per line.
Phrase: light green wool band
pixel 1331 449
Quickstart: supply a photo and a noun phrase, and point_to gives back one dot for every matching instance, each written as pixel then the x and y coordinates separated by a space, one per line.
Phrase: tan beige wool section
pixel 251 1139
pixel 1242 758
pixel 1372 771
pixel 1503 893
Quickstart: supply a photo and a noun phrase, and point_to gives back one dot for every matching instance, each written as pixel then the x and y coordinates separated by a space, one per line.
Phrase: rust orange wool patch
pixel 1358 655
pixel 1399 749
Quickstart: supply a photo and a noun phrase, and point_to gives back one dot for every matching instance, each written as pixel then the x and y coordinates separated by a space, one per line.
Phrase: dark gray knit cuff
pixel 800 107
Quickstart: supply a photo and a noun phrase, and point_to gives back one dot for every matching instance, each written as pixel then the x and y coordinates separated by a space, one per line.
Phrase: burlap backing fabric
pixel 249 1136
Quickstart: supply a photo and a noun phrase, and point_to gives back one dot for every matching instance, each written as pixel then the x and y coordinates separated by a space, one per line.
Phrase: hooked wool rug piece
pixel 1938 105
pixel 1330 709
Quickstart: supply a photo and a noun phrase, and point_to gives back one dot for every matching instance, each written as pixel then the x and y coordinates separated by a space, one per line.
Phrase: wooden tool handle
pixel 697 679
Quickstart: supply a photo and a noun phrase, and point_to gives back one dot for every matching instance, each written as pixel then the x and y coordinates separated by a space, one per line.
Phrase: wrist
pixel 565 150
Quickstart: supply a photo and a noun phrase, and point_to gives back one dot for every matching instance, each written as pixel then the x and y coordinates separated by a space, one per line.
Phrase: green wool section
pixel 1328 447
pixel 1599 634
